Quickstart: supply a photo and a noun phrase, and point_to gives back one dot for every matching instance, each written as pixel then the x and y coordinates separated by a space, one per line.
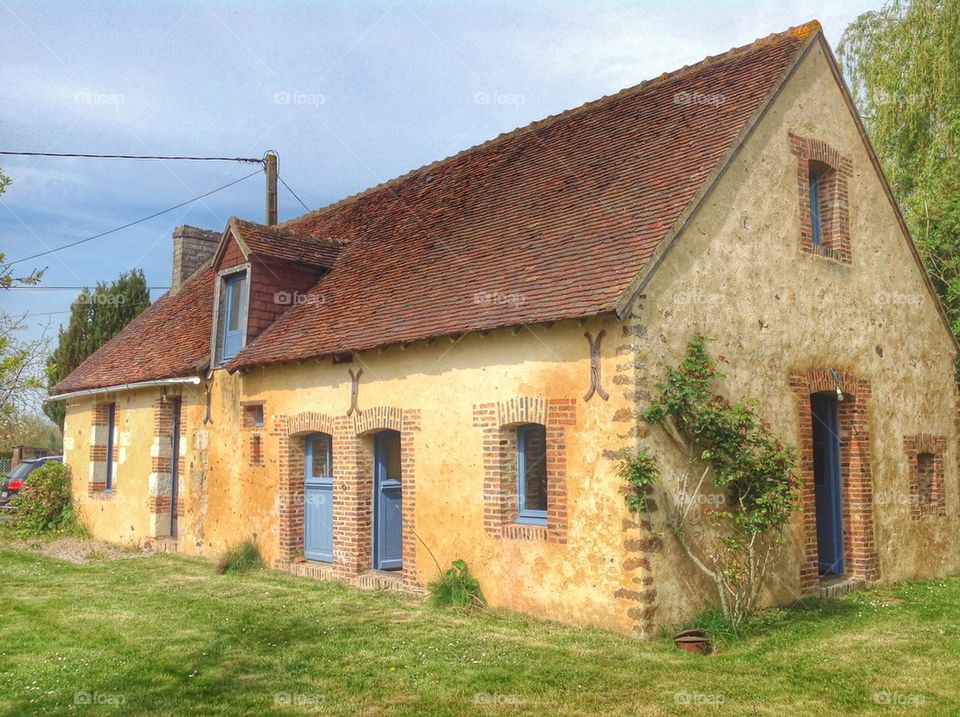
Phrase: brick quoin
pixel 860 550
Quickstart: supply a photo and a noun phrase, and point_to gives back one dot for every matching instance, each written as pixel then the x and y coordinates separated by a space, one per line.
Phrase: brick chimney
pixel 192 247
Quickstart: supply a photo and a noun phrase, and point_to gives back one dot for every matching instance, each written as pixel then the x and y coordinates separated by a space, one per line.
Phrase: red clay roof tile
pixel 548 222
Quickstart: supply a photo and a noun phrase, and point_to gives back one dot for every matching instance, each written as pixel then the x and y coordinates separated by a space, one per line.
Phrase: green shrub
pixel 45 503
pixel 241 559
pixel 456 588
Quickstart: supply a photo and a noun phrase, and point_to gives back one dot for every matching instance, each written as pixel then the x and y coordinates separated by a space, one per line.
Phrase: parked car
pixel 13 482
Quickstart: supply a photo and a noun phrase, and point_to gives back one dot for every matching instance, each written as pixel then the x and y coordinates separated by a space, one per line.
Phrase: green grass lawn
pixel 167 636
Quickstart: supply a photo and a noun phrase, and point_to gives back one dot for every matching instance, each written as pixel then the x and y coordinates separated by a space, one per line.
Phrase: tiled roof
pixel 286 245
pixel 168 339
pixel 551 221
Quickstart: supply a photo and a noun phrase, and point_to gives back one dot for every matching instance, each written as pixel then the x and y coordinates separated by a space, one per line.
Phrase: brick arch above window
pixel 499 421
pixel 832 201
pixel 378 418
pixel 308 422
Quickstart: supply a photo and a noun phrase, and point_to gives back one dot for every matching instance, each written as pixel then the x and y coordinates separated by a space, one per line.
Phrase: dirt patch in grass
pixel 77 550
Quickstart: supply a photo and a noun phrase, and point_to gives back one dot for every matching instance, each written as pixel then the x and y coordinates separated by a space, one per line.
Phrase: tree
pixel 21 375
pixel 95 317
pixel 7 279
pixel 903 66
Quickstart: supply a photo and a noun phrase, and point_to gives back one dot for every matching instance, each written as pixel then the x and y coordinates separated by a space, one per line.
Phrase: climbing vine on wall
pixel 739 481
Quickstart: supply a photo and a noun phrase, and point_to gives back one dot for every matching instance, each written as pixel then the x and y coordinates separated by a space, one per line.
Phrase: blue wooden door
pixel 387 502
pixel 827 482
pixel 318 498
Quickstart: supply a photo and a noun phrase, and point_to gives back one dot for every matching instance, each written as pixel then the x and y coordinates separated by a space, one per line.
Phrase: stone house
pixel 450 364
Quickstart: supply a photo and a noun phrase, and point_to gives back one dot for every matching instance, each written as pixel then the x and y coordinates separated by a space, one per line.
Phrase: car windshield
pixel 20 471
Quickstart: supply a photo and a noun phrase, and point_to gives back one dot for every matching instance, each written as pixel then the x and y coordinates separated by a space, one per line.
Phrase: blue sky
pixel 349 95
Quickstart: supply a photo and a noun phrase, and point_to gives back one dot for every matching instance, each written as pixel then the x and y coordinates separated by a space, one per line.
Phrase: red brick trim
pixel 352 486
pixel 97 452
pixel 256 451
pixel 931 500
pixel 860 551
pixel 834 199
pixel 498 422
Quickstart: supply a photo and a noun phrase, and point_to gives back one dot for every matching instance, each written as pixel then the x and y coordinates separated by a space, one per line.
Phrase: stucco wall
pixel 227 500
pixel 737 275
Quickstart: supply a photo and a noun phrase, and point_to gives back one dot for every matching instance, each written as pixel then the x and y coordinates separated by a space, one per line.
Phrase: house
pixel 450 365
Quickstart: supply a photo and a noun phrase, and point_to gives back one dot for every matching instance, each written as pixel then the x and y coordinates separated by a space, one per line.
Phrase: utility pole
pixel 270 165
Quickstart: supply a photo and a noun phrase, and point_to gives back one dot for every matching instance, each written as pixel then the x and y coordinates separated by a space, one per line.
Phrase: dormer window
pixel 232 318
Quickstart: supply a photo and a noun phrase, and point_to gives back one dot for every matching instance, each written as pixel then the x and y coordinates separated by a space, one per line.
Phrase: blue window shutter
pixel 529 514
pixel 234 314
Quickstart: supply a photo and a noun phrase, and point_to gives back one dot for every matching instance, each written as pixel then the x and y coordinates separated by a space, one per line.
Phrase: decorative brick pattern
pixel 925 454
pixel 860 550
pixel 833 195
pixel 499 422
pixel 256 451
pixel 160 496
pixel 378 419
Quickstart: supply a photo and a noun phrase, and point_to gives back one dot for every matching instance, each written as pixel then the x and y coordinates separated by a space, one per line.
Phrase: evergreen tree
pixel 95 317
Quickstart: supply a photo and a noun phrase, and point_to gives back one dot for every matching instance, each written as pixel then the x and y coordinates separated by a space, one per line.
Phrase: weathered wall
pixel 737 275
pixel 226 499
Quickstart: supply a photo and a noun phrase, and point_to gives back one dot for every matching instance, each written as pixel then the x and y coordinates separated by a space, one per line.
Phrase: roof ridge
pixel 288 231
pixel 797 31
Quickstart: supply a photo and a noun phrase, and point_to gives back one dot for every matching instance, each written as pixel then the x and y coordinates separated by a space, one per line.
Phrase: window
pixel 532 474
pixel 319 456
pixel 111 421
pixel 818 171
pixel 926 480
pixel 233 306
pixel 253 415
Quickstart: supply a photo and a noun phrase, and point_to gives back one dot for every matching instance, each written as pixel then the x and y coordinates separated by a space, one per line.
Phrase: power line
pixel 66 288
pixel 130 224
pixel 293 193
pixel 249 160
